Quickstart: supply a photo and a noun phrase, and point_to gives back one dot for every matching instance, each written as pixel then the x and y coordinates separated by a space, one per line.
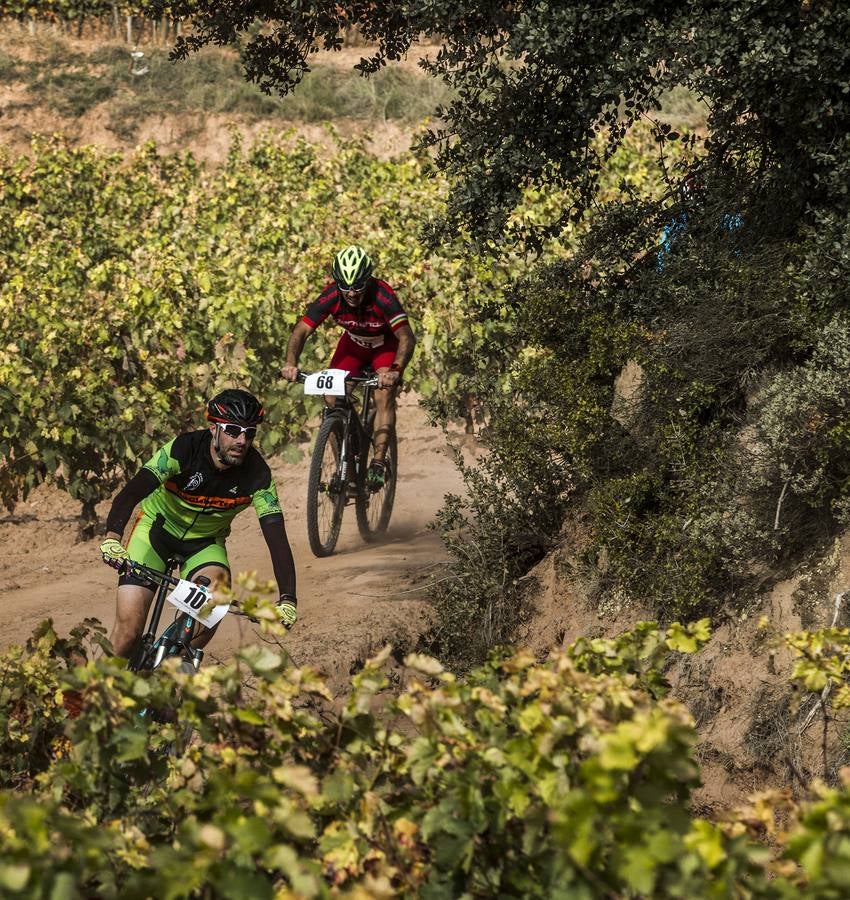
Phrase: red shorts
pixel 354 358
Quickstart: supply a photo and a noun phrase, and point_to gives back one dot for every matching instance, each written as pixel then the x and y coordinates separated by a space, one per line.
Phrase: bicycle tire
pixel 325 490
pixel 374 509
pixel 141 658
pixel 184 735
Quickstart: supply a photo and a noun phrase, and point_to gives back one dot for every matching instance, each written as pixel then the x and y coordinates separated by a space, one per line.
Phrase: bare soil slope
pixel 756 733
pixel 205 134
pixel 349 604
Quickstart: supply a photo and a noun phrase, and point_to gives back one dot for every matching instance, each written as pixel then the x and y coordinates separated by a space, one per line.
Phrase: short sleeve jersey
pixel 197 500
pixel 379 315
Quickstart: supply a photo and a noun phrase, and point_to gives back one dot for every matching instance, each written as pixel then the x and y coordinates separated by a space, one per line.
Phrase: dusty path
pixel 349 604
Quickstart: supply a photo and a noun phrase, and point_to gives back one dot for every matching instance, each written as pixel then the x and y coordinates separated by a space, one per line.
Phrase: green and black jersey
pixel 188 505
pixel 196 499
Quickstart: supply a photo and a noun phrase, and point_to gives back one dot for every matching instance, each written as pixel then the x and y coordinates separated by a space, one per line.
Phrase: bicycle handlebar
pixel 349 379
pixel 129 566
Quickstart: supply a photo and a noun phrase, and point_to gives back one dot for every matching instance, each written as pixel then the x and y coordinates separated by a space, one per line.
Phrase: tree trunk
pixel 88 521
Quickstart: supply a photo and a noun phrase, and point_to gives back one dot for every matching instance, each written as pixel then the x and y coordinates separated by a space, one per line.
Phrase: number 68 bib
pixel 328 381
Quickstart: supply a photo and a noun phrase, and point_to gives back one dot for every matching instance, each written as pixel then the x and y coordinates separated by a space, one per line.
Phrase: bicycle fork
pixel 347 459
pixel 180 643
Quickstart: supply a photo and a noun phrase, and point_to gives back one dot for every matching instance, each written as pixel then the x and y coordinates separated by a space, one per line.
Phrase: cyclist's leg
pixel 212 563
pixel 131 608
pixel 385 404
pixel 347 356
pixel 134 596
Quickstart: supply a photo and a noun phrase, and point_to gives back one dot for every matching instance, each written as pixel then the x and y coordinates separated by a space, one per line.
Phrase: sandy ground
pixel 349 604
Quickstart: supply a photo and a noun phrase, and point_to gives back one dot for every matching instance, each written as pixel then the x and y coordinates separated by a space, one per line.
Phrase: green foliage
pixel 504 523
pixel 642 546
pixel 528 117
pixel 819 844
pixel 132 289
pixel 727 454
pixel 802 430
pixel 540 375
pixel 822 662
pixel 741 437
pixel 700 487
pixel 566 778
pixel 54 9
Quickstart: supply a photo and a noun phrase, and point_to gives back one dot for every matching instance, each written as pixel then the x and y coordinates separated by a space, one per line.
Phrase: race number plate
pixel 192 598
pixel 328 381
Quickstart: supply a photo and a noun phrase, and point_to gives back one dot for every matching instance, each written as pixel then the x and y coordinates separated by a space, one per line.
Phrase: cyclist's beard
pixel 224 457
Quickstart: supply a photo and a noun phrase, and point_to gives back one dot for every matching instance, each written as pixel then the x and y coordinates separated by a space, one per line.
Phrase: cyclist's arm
pixel 296 342
pixel 144 482
pixel 165 463
pixel 326 304
pixel 387 300
pixel 283 565
pixel 406 344
pixel 270 514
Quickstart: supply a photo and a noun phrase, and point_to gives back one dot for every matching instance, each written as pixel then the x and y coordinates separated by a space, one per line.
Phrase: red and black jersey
pixel 379 315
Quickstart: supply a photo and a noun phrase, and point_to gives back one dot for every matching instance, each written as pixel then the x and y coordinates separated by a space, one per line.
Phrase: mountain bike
pixel 344 449
pixel 192 600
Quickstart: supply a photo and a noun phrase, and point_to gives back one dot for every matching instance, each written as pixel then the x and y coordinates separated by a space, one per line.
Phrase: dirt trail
pixel 349 604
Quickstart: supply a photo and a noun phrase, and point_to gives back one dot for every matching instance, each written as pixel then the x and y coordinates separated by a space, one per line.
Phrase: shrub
pixel 523 779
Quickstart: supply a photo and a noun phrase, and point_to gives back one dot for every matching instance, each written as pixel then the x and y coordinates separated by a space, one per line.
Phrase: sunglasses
pixel 351 290
pixel 234 431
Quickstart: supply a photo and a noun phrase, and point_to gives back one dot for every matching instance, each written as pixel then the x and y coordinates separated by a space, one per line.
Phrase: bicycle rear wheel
pixel 374 509
pixel 326 488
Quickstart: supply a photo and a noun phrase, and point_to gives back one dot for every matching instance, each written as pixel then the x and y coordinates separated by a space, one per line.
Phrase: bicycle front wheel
pixel 185 732
pixel 326 488
pixel 375 508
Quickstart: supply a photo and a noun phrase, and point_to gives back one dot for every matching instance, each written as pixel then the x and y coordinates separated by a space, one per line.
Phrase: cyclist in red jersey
pixel 377 334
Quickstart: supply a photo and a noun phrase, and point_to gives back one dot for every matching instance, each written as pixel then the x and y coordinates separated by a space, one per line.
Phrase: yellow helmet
pixel 352 268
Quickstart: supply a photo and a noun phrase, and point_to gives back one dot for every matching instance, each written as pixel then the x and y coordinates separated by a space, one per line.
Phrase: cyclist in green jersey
pixel 190 491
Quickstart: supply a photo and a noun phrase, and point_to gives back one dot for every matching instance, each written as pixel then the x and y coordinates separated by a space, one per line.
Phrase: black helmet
pixel 352 268
pixel 235 406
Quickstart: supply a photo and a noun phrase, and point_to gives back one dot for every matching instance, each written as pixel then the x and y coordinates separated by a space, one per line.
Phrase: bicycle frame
pixel 176 639
pixel 356 435
pixel 339 462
